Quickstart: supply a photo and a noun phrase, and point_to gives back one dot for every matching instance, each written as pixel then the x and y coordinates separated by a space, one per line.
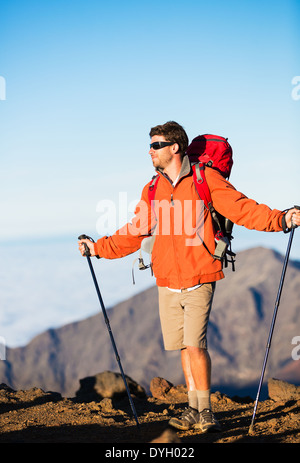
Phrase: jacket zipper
pixel 174 250
pixel 172 234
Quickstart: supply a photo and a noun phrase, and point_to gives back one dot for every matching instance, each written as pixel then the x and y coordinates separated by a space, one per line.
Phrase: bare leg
pixel 200 367
pixel 196 367
pixel 186 367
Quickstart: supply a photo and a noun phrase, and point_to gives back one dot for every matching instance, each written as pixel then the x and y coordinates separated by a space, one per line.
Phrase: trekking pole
pixel 87 254
pixel 273 323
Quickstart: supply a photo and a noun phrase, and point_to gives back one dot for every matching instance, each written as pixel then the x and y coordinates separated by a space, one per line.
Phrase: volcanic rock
pixel 282 390
pixel 107 384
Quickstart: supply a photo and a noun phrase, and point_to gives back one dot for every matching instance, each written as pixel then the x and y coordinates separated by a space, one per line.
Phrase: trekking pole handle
pixel 85 237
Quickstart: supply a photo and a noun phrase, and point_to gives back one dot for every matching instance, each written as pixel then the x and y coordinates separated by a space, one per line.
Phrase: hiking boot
pixel 207 422
pixel 186 420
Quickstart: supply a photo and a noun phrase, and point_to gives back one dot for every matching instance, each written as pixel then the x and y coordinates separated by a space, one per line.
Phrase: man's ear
pixel 175 148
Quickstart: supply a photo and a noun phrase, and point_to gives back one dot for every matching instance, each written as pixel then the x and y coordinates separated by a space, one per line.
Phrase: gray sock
pixel 203 400
pixel 193 399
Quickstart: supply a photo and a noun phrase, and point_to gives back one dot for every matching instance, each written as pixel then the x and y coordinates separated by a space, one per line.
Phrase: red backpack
pixel 215 152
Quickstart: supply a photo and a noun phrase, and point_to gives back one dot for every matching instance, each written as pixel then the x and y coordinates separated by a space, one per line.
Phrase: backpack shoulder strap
pixel 152 189
pixel 223 242
pixel 203 191
pixel 200 183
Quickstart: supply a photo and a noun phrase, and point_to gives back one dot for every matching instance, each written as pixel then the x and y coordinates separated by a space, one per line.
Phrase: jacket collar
pixel 185 167
pixel 184 171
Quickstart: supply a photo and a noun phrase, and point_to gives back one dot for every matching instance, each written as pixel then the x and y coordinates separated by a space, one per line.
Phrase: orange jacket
pixel 179 258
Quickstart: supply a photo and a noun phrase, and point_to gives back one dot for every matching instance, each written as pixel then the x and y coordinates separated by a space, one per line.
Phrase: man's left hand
pixel 292 218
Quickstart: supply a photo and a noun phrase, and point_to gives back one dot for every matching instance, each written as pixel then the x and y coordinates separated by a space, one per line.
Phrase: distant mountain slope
pixel 238 331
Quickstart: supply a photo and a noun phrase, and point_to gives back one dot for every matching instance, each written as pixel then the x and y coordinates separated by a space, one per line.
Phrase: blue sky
pixel 85 81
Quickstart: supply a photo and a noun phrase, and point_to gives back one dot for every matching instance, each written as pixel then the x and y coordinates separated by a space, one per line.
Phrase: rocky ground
pixel 36 416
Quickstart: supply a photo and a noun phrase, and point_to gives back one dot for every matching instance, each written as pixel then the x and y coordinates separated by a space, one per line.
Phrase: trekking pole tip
pixel 251 430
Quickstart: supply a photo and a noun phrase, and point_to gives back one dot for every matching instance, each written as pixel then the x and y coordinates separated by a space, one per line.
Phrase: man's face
pixel 162 157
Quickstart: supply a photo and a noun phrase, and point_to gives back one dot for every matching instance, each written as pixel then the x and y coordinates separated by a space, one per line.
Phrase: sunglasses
pixel 157 145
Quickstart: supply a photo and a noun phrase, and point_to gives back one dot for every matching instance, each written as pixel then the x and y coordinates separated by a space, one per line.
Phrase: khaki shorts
pixel 184 316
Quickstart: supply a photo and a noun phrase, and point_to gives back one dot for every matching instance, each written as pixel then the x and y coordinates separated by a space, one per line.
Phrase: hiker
pixel 183 264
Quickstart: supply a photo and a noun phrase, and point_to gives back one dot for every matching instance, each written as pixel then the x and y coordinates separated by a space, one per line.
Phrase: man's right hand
pixel 89 244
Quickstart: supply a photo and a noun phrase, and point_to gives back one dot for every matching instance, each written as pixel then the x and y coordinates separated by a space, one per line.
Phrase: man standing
pixel 185 271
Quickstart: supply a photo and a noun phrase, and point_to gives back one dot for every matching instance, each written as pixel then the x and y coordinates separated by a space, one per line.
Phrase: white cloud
pixel 49 284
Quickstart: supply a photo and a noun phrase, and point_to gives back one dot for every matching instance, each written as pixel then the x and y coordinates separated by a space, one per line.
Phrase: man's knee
pixel 193 350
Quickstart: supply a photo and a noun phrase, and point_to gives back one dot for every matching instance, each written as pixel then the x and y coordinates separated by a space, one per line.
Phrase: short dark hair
pixel 174 133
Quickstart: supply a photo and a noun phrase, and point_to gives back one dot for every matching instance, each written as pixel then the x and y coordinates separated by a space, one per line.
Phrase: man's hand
pixel 292 218
pixel 89 244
